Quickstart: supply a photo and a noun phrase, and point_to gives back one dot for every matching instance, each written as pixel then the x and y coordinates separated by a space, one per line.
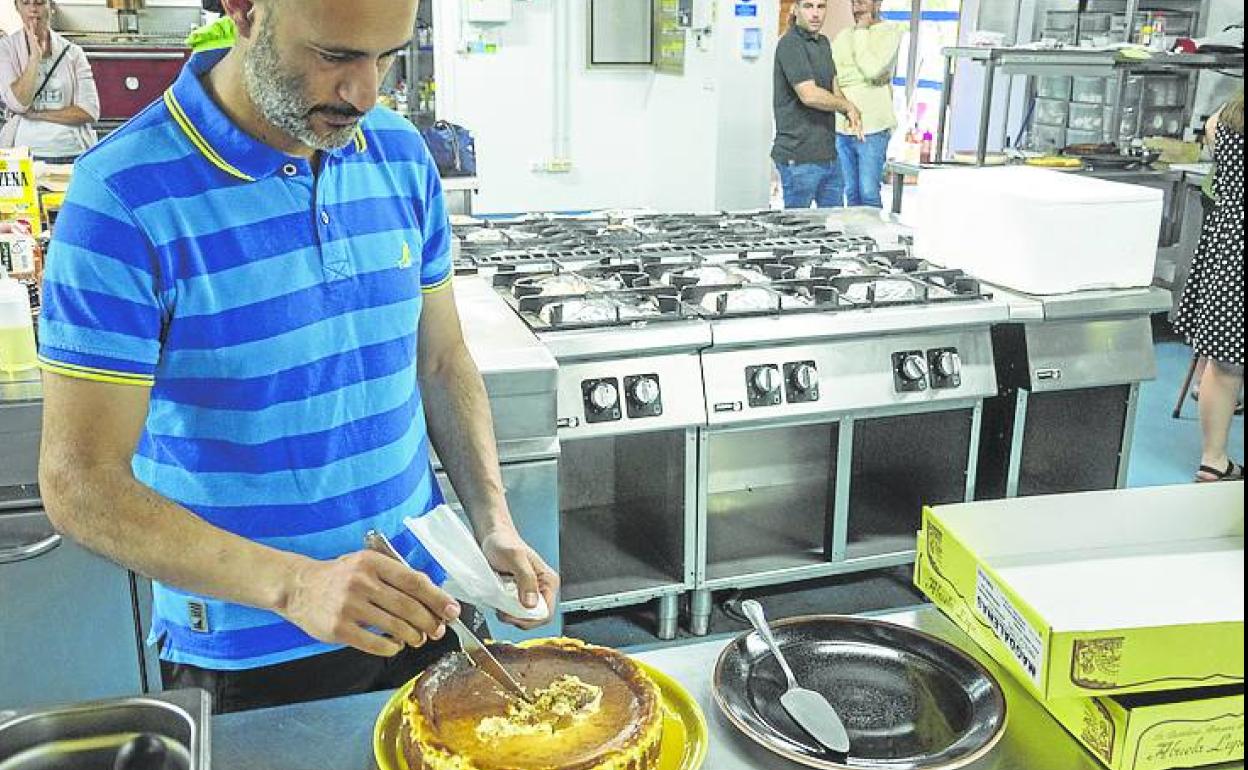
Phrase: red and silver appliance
pixel 136 50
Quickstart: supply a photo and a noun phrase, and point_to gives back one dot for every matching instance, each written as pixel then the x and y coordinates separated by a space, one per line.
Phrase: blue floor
pixel 1165 451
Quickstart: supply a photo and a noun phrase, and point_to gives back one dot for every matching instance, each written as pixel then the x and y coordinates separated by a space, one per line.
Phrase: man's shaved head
pixel 312 70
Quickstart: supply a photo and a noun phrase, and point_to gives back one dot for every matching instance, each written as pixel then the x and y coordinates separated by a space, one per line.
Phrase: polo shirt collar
pixel 807 34
pixel 212 132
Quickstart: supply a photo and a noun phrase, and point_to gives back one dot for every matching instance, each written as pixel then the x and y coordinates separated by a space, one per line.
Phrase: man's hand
pixel 508 554
pixel 339 601
pixel 854 116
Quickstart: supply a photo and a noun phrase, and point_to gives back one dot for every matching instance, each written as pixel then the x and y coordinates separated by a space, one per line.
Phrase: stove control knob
pixel 949 364
pixel 913 369
pixel 767 380
pixel 645 392
pixel 805 378
pixel 604 397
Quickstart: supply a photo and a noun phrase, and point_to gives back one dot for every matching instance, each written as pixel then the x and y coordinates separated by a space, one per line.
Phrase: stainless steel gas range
pixel 749 399
pixel 743 399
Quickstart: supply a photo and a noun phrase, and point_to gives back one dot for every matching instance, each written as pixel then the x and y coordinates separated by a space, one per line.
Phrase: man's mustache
pixel 340 112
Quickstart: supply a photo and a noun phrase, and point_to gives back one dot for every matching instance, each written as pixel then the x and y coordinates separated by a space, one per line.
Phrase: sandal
pixel 1207 474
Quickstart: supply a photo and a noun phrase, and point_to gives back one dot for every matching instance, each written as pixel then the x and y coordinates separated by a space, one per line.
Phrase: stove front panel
pixel 917 370
pixel 630 395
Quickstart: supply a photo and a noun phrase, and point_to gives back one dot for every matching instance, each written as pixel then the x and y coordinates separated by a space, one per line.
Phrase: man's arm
pixel 835 100
pixel 875 51
pixel 90 431
pixel 462 432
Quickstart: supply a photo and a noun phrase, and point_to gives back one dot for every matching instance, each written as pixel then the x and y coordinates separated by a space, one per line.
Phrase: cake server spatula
pixel 474 648
pixel 809 709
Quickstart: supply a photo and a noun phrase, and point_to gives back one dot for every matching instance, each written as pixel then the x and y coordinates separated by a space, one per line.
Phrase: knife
pixel 479 655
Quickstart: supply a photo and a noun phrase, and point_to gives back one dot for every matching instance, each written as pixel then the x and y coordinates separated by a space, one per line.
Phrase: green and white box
pixel 1099 593
pixel 1158 731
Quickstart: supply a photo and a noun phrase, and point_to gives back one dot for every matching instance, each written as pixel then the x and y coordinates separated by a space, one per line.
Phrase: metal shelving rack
pixel 415 67
pixel 1090 110
pixel 1070 62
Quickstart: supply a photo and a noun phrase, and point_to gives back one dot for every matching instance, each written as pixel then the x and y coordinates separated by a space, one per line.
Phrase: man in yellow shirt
pixel 865 57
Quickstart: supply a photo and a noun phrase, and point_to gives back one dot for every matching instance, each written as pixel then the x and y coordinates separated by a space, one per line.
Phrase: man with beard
pixel 806 100
pixel 249 346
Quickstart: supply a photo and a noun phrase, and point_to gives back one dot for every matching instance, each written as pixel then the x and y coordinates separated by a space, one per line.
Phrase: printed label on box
pixel 1009 625
pixel 17 254
pixel 1190 744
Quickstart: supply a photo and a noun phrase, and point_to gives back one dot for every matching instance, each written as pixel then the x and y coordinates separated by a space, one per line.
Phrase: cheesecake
pixel 591 709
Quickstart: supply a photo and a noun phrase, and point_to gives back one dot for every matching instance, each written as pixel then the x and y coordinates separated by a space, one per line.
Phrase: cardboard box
pixel 1100 593
pixel 19 194
pixel 1158 731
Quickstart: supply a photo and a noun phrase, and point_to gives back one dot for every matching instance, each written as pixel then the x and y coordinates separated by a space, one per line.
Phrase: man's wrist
pixel 285 586
pixel 497 520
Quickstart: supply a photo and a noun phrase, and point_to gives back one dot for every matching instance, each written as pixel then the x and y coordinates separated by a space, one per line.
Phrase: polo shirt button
pixel 290 169
pixel 325 217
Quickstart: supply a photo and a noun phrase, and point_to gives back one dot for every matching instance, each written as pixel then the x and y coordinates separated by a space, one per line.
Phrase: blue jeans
pixel 862 165
pixel 807 183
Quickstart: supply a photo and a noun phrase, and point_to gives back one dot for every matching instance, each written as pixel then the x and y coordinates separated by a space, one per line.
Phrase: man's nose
pixel 359 89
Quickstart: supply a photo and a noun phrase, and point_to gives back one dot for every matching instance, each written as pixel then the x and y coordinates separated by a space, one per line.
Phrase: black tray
pixel 909 701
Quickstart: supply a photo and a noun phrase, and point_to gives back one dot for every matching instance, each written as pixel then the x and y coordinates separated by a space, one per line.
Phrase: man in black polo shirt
pixel 806 101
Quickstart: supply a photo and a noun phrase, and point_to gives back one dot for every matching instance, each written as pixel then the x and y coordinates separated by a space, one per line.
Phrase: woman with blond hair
pixel 1211 312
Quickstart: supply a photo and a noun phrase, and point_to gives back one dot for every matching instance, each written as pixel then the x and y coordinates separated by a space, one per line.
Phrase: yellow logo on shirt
pixel 405 261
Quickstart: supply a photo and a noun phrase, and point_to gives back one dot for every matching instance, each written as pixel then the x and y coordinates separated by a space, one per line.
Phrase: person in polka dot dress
pixel 1211 312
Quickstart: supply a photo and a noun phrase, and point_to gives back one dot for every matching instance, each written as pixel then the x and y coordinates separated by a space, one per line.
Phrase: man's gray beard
pixel 278 95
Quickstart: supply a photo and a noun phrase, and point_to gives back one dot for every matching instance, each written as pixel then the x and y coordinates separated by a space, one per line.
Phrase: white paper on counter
pixel 470 578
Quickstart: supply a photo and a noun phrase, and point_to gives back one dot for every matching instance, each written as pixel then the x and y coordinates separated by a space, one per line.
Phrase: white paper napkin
pixel 470 578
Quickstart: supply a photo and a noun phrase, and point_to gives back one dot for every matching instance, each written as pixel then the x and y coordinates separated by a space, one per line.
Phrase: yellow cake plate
pixel 685 737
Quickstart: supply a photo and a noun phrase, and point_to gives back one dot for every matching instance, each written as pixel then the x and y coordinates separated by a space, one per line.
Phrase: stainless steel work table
pixel 337 734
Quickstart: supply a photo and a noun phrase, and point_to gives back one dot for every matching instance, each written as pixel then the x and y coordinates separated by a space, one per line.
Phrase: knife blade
pixel 478 654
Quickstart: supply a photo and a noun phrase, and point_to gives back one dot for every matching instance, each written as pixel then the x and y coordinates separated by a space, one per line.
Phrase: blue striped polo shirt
pixel 273 313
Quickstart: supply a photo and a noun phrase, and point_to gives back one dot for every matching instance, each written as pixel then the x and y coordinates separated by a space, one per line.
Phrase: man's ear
pixel 243 12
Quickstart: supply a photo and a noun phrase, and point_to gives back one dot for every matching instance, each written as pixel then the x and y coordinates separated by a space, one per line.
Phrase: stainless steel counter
pixel 337 735
pixel 20 415
pixel 520 373
pixel 1107 303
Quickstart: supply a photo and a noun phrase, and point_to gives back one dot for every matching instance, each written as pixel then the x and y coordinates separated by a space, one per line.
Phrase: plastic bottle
pixel 17 331
pixel 925 155
pixel 1158 42
pixel 1146 32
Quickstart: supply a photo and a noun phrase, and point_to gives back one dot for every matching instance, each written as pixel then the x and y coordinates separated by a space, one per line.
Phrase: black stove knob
pixel 913 369
pixel 805 377
pixel 645 392
pixel 604 397
pixel 766 380
pixel 949 365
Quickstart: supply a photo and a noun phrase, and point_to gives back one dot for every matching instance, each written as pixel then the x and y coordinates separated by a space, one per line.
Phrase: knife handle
pixel 754 611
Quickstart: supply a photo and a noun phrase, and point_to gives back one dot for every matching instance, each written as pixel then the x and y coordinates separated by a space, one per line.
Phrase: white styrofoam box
pixel 1039 231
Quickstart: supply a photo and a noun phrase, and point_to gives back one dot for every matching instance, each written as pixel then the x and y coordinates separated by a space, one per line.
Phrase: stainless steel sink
pixel 88 736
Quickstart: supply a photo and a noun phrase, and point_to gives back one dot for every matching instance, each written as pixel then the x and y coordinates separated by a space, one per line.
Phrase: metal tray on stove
pixel 909 701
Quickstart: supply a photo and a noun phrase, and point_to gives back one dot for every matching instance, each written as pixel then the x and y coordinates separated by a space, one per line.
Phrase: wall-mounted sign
pixel 671 37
